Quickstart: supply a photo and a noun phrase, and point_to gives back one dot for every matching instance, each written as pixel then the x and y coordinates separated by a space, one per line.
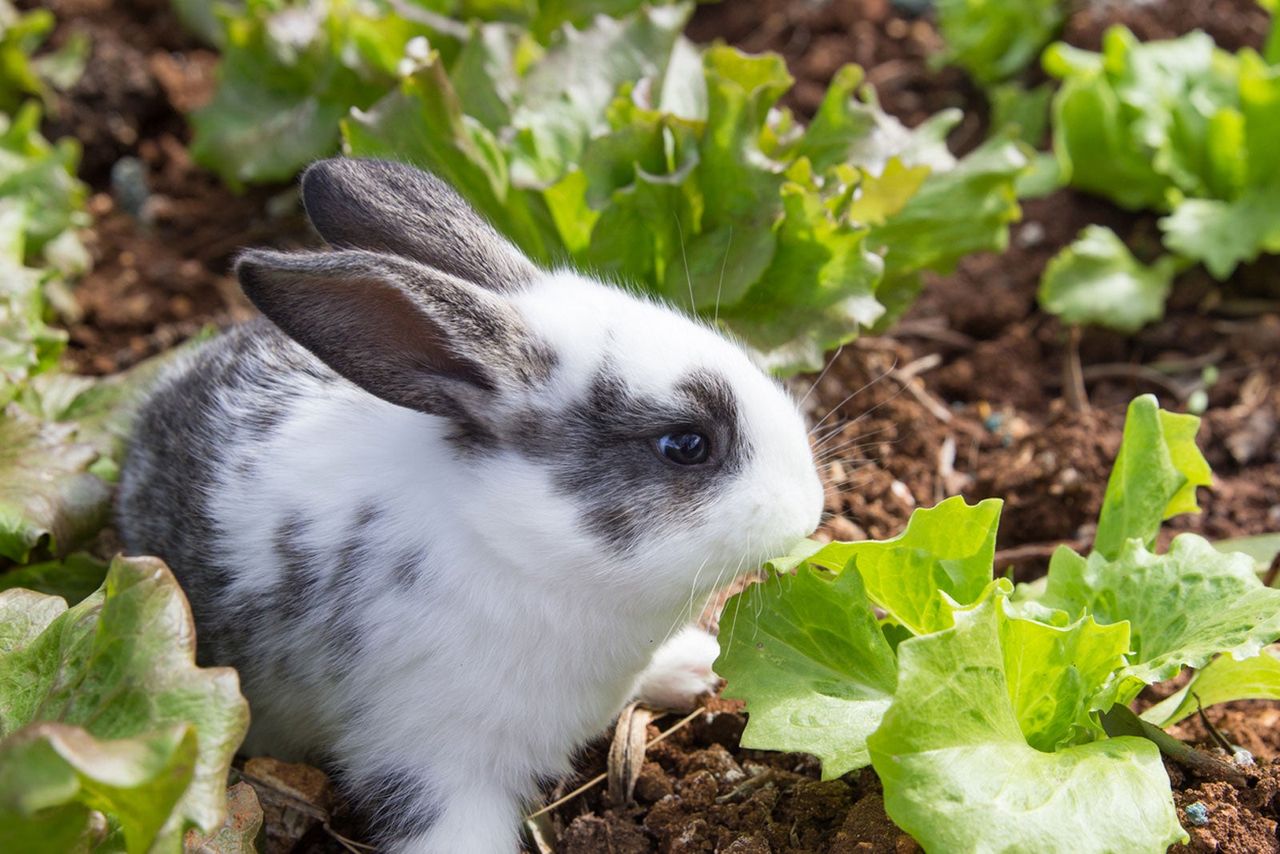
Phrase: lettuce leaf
pixel 1182 607
pixel 1096 280
pixel 814 664
pixel 1223 680
pixel 1154 477
pixel 994 41
pixel 959 775
pixel 942 560
pixel 102 708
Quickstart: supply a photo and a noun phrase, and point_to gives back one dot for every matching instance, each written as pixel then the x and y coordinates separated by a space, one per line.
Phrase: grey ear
pixel 413 336
pixel 389 207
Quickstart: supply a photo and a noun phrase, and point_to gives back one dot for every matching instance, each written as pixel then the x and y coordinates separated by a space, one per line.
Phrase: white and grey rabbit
pixel 440 506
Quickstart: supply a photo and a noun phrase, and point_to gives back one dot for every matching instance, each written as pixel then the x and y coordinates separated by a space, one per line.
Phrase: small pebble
pixel 1243 758
pixel 129 186
pixel 1197 814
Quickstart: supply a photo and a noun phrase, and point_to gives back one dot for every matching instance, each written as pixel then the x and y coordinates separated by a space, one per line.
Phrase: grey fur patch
pixel 180 443
pixel 406 570
pixel 390 207
pixel 397 802
pixel 612 430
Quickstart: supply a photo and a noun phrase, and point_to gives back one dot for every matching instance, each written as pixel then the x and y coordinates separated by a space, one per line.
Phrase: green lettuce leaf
pixel 59 447
pixel 812 661
pixel 1182 607
pixel 72 579
pixel 994 41
pixel 942 560
pixel 20 35
pixel 41 178
pixel 102 708
pixel 959 775
pixel 1263 548
pixel 1097 280
pixel 289 72
pixel 1053 673
pixel 1223 680
pixel 1154 477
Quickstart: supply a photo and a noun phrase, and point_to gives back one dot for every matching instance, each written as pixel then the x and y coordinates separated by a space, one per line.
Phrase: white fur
pixel 526 635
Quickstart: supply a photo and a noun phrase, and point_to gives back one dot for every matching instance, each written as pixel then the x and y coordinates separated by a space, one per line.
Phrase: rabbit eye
pixel 684 448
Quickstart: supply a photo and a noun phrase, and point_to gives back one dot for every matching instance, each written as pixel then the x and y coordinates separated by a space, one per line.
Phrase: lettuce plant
pixel 1181 127
pixel 674 169
pixel 980 705
pixel 102 710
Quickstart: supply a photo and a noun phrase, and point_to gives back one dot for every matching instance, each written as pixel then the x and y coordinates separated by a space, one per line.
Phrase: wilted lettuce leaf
pixel 995 40
pixel 102 708
pixel 674 169
pixel 1177 126
pixel 942 560
pixel 1223 680
pixel 959 775
pixel 1154 477
pixel 1182 607
pixel 1097 280
pixel 808 653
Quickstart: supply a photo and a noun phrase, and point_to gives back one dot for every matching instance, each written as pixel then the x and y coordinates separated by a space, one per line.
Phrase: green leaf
pixel 1263 548
pixel 812 663
pixel 102 708
pixel 958 211
pixel 54 774
pixel 1223 235
pixel 993 40
pixel 942 560
pixel 55 464
pixel 41 178
pixel 1096 280
pixel 289 73
pixel 1225 679
pixel 47 495
pixel 72 579
pixel 1154 478
pixel 959 775
pixel 1053 673
pixel 1182 607
pixel 20 35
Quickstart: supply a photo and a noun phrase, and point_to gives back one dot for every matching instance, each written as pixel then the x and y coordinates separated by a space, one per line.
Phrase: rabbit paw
pixel 680 671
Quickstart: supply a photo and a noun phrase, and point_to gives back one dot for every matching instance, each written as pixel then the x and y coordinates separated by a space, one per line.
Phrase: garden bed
pixel 964 396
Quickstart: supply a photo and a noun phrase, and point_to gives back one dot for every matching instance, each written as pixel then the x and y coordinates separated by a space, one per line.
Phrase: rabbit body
pixel 442 572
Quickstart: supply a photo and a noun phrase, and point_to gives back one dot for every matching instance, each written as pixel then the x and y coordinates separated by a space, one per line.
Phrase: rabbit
pixel 440 507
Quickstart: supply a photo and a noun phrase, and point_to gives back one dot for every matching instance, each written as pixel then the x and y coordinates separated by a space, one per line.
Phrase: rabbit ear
pixel 411 335
pixel 389 207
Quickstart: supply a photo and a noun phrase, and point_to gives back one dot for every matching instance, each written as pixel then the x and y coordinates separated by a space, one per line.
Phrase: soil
pixel 965 396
